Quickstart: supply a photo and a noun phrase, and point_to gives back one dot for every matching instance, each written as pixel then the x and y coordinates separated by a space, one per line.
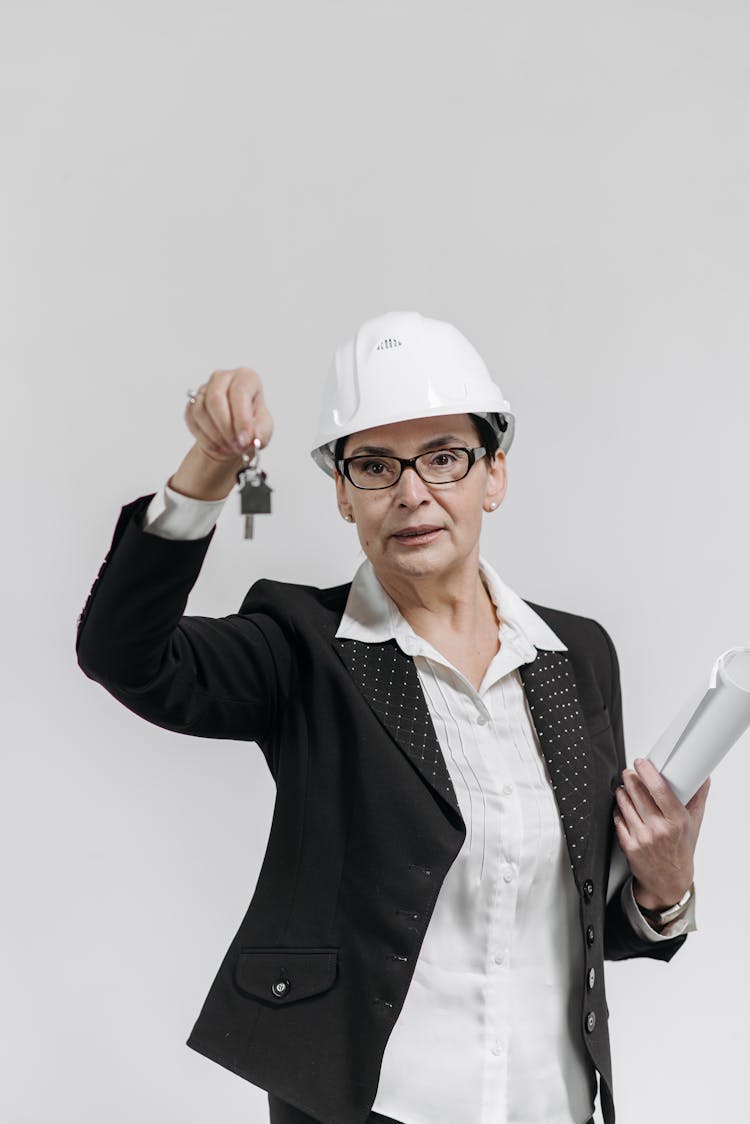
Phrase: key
pixel 255 494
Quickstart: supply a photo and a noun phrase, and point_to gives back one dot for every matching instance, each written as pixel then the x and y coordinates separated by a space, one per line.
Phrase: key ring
pixel 250 464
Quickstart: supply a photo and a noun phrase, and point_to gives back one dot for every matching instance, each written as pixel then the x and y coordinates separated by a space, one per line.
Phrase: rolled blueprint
pixel 699 737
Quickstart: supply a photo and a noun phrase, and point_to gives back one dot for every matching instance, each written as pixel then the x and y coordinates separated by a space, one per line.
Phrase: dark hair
pixel 485 433
pixel 487 436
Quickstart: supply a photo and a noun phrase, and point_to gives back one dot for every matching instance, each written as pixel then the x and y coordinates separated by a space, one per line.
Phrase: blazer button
pixel 280 988
pixel 588 889
pixel 590 1021
pixel 591 980
pixel 590 935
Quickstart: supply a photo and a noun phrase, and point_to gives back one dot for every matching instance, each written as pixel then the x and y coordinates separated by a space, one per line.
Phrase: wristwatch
pixel 672 912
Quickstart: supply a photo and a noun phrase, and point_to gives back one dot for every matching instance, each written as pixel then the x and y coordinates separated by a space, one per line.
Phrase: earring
pixel 349 518
pixel 493 505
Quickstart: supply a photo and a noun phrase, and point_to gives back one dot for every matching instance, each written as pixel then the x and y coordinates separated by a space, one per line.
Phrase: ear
pixel 497 481
pixel 342 500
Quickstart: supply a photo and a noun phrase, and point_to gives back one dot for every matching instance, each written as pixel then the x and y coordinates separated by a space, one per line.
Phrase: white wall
pixel 190 186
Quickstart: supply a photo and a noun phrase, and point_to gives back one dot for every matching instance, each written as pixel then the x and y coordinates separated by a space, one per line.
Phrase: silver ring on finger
pixel 192 397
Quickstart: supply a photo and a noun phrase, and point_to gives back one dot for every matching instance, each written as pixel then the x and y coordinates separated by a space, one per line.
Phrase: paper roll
pixel 701 735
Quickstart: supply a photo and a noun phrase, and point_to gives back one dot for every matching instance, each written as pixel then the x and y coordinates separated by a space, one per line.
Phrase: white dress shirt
pixel 489 1031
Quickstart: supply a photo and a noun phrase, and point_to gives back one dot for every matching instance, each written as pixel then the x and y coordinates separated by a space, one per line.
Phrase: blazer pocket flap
pixel 283 975
pixel 597 722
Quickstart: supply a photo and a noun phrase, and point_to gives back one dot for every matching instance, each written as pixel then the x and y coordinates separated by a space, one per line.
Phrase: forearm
pixel 626 937
pixel 136 601
pixel 189 511
pixel 212 677
pixel 204 478
pixel 626 934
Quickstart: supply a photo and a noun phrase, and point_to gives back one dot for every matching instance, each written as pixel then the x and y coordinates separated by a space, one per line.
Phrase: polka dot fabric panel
pixel 558 719
pixel 388 679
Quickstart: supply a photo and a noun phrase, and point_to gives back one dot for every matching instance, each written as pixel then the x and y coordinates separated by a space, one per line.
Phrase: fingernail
pixel 257 442
pixel 639 760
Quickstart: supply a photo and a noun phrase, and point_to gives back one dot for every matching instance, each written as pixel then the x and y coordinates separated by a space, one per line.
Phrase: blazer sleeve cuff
pixel 170 515
pixel 684 924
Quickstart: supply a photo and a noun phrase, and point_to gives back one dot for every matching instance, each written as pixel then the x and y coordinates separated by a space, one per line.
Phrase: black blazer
pixel 365 823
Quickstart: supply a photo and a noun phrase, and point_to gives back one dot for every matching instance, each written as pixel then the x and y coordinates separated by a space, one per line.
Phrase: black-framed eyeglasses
pixel 438 466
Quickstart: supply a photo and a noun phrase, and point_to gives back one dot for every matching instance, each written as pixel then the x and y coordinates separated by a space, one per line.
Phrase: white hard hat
pixel 401 366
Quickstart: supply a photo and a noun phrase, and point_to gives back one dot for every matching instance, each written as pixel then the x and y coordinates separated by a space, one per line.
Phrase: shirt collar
pixel 372 616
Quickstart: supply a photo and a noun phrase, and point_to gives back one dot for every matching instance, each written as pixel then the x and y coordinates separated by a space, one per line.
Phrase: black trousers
pixel 283 1113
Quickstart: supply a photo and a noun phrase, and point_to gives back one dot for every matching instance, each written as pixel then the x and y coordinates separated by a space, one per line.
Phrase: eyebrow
pixel 433 443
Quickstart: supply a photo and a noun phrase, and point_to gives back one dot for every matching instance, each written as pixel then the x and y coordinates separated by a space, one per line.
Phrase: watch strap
pixel 669 913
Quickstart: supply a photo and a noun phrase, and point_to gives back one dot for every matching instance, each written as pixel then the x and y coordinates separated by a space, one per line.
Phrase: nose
pixel 411 489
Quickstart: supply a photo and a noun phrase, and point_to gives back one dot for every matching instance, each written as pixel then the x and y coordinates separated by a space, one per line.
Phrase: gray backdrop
pixel 191 186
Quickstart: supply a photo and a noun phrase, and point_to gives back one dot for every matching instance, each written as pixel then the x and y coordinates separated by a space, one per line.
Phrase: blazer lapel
pixel 558 718
pixel 388 679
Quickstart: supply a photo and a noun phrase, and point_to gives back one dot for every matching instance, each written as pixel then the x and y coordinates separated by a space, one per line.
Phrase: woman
pixel 427 935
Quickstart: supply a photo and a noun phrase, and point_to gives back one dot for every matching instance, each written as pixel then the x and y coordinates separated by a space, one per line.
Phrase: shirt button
pixel 588 889
pixel 590 935
pixel 507 789
pixel 482 720
pixel 590 1021
pixel 497 1047
pixel 508 876
pixel 591 978
pixel 499 958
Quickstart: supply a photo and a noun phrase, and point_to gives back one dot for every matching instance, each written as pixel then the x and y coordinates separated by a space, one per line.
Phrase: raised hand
pixel 229 413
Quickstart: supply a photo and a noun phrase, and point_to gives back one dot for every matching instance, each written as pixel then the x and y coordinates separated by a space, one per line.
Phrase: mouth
pixel 416 536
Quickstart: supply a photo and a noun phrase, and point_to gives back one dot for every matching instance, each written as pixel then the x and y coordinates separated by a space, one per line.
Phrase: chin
pixel 419 566
pixel 424 561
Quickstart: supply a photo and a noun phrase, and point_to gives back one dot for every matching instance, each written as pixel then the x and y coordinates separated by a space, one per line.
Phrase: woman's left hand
pixel 657 834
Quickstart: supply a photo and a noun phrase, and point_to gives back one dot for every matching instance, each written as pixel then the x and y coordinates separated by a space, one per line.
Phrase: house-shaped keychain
pixel 255 495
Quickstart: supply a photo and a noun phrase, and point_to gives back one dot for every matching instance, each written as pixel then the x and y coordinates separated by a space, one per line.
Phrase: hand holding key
pixel 227 413
pixel 230 421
